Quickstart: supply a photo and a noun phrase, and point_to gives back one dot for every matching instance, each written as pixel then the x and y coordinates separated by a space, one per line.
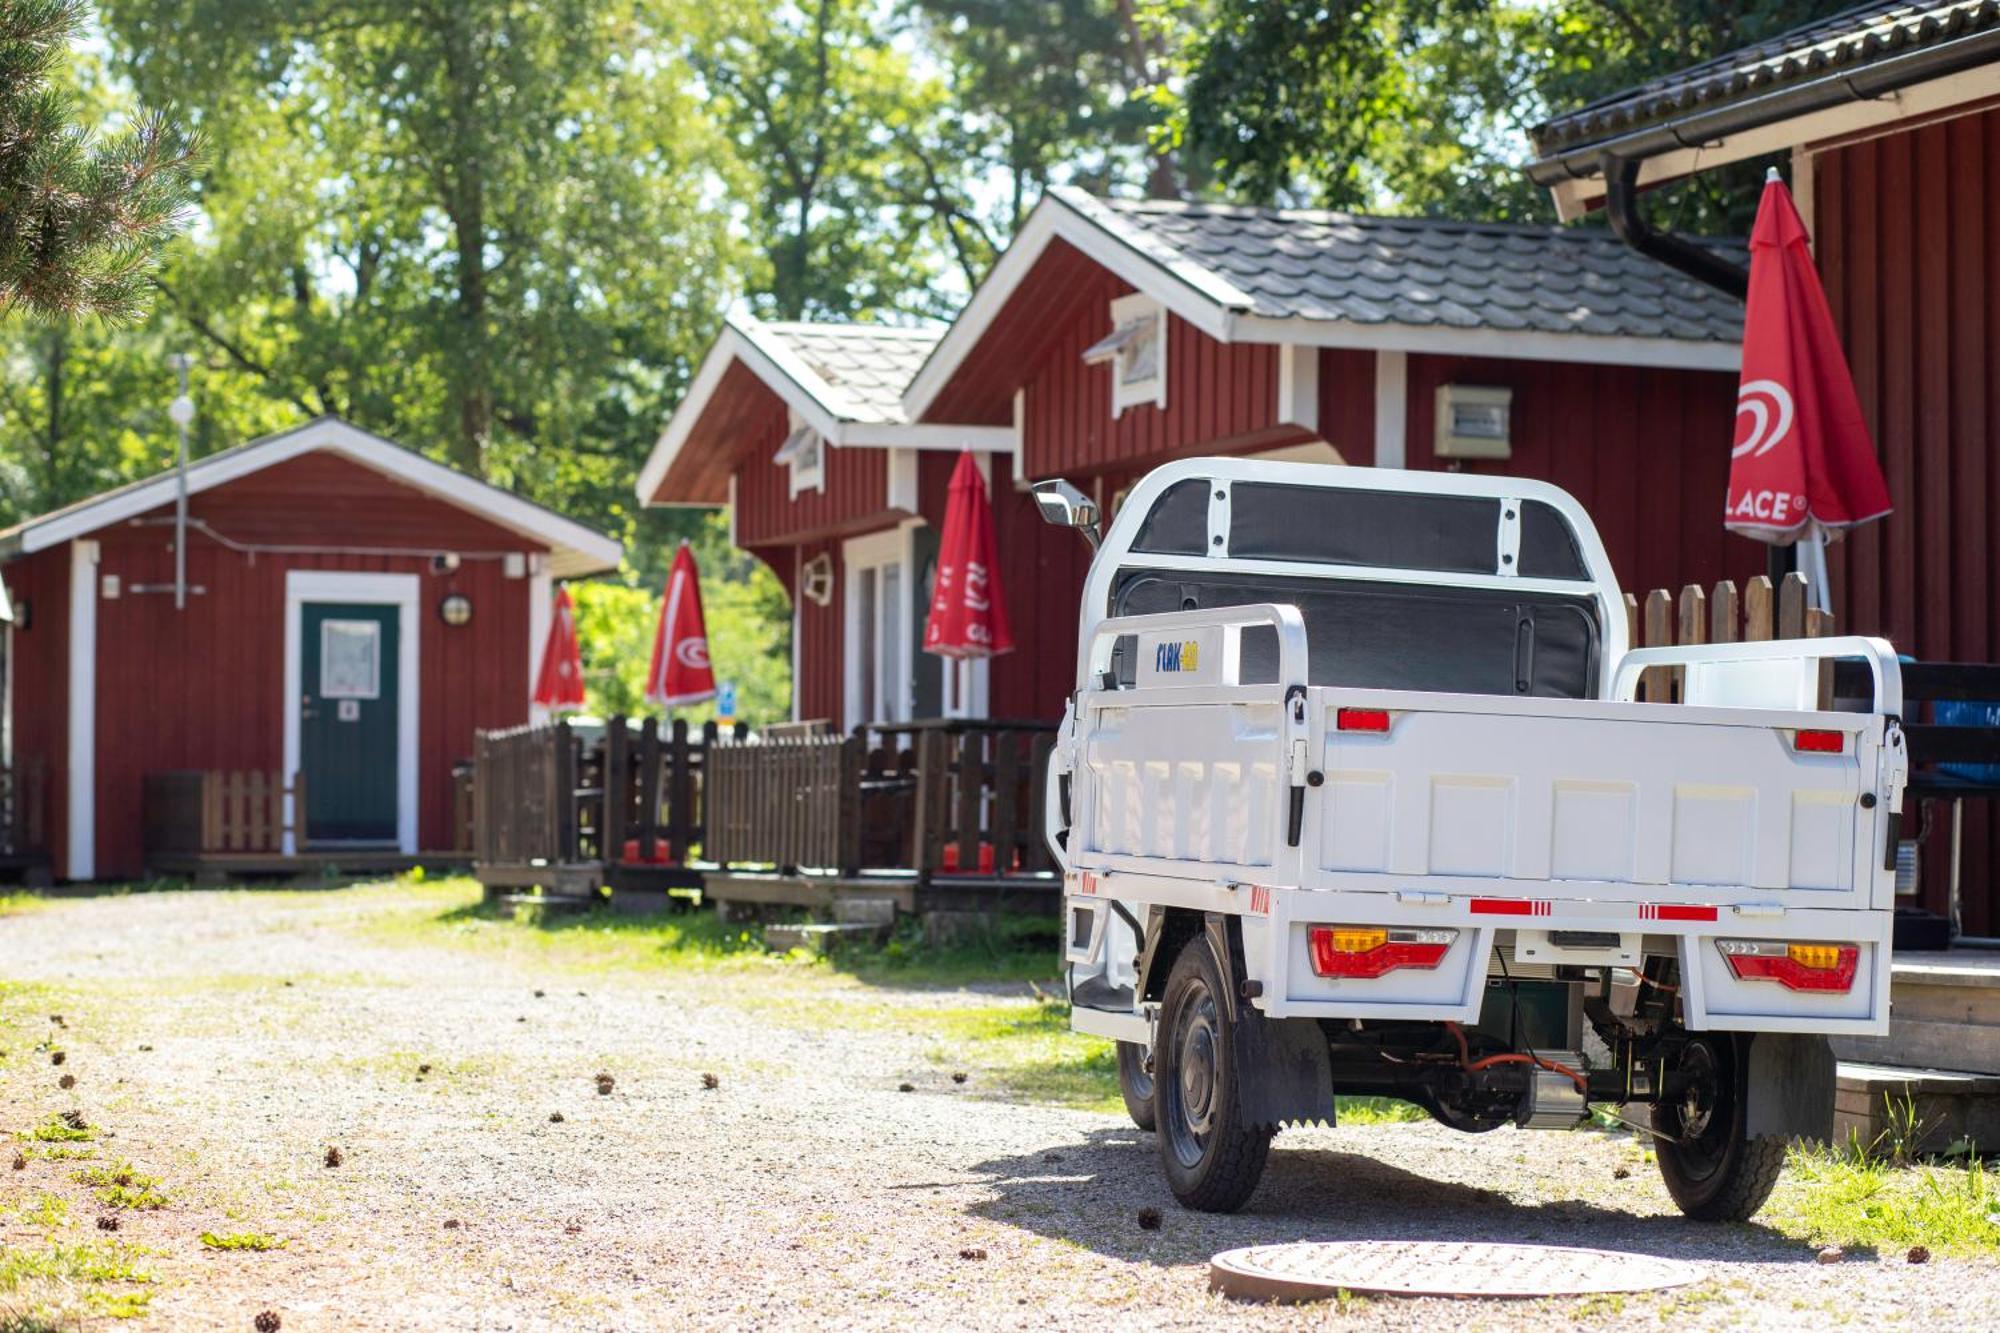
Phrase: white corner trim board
pixel 81 852
pixel 400 591
pixel 540 612
pixel 1392 409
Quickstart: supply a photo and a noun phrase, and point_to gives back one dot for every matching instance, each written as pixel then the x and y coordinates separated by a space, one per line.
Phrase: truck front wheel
pixel 1212 1160
pixel 1135 1084
pixel 1713 1168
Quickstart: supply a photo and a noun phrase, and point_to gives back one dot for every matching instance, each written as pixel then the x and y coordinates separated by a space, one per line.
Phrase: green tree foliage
pixel 484 227
pixel 83 220
pixel 1424 105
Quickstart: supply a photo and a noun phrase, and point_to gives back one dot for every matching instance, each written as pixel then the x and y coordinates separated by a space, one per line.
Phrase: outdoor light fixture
pixel 455 609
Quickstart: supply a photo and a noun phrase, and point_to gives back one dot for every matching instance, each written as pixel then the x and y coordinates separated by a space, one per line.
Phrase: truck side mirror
pixel 1067 507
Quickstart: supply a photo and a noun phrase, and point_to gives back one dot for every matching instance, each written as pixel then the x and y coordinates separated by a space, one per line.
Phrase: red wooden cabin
pixel 352 613
pixel 1112 336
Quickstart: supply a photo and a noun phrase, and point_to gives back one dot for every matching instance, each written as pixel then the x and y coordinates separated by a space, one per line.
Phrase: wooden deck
pixel 307 865
pixel 911 893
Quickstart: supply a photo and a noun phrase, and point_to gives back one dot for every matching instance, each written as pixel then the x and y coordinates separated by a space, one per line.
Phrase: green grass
pixel 119 1186
pixel 1378 1111
pixel 242 1240
pixel 1024 1052
pixel 1840 1197
pixel 12 901
pixel 55 1285
pixel 57 1130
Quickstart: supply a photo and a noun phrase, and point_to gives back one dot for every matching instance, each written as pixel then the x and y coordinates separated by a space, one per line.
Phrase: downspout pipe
pixel 1621 206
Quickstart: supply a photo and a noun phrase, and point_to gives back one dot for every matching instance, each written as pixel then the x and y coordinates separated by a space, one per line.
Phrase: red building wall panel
pixel 1645 451
pixel 39 587
pixel 1041 570
pixel 1347 402
pixel 822 673
pixel 1906 242
pixel 1219 396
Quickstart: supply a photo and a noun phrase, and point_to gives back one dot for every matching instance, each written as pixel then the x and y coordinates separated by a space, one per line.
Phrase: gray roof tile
pixel 1306 264
pixel 867 365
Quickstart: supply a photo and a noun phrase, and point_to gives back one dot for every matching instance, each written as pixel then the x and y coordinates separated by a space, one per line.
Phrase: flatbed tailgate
pixel 1727 804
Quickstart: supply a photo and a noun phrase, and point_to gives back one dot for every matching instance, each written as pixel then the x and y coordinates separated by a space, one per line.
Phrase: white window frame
pixel 400 591
pixel 1128 313
pixel 876 551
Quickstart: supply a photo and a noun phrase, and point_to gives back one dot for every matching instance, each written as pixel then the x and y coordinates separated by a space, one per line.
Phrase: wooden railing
pixel 936 797
pixel 210 811
pixel 789 802
pixel 24 809
pixel 565 793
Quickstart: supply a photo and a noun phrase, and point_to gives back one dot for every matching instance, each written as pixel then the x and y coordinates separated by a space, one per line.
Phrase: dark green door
pixel 347 724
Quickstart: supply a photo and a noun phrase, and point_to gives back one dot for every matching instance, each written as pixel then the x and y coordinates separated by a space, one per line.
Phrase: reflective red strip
pixel 1510 907
pixel 1362 719
pixel 1820 742
pixel 1675 912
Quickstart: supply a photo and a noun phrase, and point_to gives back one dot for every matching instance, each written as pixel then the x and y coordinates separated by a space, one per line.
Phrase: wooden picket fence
pixel 209 811
pixel 1721 615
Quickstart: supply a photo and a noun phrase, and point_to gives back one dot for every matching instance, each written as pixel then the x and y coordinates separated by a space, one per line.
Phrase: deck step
pixel 1934 1110
pixel 551 902
pixel 1944 1014
pixel 818 936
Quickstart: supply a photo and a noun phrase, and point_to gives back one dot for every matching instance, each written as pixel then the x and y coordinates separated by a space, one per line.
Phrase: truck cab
pixel 1363 790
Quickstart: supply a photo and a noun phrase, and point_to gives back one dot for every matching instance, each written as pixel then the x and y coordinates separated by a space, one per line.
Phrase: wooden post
pixel 680 786
pixel 1006 799
pixel 617 784
pixel 563 781
pixel 1757 609
pixel 1722 613
pixel 1693 629
pixel 853 769
pixel 1656 683
pixel 971 787
pixel 1792 607
pixel 933 776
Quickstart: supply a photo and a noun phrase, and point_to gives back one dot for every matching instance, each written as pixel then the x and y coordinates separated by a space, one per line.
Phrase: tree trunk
pixel 52 477
pixel 465 202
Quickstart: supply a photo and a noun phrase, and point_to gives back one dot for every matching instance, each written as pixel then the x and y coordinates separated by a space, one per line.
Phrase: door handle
pixel 306 710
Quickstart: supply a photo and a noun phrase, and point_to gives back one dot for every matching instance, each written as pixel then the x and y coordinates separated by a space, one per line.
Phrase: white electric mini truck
pixel 1354 797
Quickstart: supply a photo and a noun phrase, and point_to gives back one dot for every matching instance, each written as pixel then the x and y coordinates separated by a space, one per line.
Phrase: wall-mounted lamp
pixel 455 610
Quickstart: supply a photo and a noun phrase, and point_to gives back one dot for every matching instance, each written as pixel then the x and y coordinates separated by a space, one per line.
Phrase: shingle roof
pixel 1843 43
pixel 864 368
pixel 1308 264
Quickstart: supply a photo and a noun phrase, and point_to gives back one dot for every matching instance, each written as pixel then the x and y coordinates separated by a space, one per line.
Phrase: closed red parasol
pixel 1803 466
pixel 680 673
pixel 559 684
pixel 968 615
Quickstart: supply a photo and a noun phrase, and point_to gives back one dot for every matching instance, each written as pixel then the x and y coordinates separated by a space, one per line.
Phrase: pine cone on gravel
pixel 1149 1219
pixel 1919 1254
pixel 107 1222
pixel 332 1159
pixel 604 1084
pixel 710 1082
pixel 66 1082
pixel 267 1321
pixel 20 1161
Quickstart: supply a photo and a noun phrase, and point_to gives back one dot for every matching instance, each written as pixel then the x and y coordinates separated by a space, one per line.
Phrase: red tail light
pixel 1361 952
pixel 1362 719
pixel 1803 967
pixel 1820 742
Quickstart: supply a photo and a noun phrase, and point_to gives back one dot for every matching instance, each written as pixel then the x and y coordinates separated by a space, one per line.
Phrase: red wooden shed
pixel 352 613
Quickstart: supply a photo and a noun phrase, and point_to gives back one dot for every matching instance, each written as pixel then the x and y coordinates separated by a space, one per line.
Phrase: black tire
pixel 1212 1160
pixel 1714 1170
pixel 1135 1085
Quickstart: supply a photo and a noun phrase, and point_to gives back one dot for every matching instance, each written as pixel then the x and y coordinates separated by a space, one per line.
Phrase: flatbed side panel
pixel 1580 791
pixel 1198 782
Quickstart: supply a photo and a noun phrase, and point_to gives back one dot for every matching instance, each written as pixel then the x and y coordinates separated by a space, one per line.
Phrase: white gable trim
pixel 577 549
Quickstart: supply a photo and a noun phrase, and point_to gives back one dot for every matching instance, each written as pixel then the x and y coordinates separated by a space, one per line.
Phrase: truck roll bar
pixel 1231 620
pixel 1771 673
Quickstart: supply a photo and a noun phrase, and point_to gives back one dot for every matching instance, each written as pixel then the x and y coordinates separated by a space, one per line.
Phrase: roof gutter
pixel 1879 79
pixel 1621 205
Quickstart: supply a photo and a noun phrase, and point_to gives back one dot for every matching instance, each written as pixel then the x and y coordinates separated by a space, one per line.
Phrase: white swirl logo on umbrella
pixel 692 653
pixel 1769 407
pixel 975 586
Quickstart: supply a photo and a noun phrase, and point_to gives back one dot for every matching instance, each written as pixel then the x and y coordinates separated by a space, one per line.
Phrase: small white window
pixel 350 659
pixel 1136 349
pixel 803 456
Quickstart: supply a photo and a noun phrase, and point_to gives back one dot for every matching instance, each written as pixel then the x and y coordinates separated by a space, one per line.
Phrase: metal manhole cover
pixel 1315 1270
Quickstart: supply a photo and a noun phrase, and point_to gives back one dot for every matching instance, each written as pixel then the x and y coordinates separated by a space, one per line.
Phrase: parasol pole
pixel 1812 564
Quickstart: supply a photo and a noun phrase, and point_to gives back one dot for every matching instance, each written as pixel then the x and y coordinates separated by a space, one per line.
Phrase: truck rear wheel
pixel 1713 1168
pixel 1135 1084
pixel 1212 1159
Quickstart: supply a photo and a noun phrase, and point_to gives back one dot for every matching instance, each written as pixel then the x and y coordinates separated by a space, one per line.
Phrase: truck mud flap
pixel 1788 1085
pixel 1284 1071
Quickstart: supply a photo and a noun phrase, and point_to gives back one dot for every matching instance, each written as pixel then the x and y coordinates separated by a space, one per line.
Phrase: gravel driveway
pixel 223 1041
